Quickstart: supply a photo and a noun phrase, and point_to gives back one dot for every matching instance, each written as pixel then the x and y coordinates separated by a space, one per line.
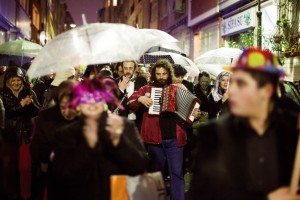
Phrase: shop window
pixel 209 38
pixel 179 5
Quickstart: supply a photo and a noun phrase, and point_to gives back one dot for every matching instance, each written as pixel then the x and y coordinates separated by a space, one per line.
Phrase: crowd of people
pixel 64 136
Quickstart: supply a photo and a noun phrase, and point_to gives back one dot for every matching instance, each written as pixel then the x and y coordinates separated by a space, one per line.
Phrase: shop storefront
pixel 233 26
pixel 246 22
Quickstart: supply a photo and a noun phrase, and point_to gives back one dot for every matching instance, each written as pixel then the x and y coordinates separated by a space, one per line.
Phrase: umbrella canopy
pixel 174 58
pixel 221 56
pixel 95 43
pixel 165 37
pixel 20 48
pixel 18 60
pixel 167 45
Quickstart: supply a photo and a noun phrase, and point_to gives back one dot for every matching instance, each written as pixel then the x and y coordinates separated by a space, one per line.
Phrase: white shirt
pixel 130 90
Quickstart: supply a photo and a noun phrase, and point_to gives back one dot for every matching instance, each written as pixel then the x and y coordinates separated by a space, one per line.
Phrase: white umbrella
pixel 93 44
pixel 165 37
pixel 221 56
pixel 167 45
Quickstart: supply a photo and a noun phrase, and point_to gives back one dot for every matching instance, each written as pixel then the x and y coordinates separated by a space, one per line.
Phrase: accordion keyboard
pixel 156 94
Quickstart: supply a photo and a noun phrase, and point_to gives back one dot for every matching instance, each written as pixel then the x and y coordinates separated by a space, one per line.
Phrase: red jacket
pixel 150 131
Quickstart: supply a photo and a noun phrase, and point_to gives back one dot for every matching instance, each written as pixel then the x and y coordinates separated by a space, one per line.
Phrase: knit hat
pixel 63 75
pixel 259 60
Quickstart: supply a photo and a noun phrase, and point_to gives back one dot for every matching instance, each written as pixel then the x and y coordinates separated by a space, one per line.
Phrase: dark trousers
pixel 168 151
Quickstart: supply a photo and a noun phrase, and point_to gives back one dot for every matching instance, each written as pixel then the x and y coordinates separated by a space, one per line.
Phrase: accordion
pixel 173 99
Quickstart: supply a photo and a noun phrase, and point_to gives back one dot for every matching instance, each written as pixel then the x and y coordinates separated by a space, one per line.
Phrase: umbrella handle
pixel 83 19
pixel 118 108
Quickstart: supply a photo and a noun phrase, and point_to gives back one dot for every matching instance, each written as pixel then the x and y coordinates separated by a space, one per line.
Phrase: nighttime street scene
pixel 149 99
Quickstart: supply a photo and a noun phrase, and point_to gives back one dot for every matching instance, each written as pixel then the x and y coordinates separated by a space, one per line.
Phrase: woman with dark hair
pixel 21 105
pixel 217 103
pixel 42 144
pixel 99 145
pixel 118 72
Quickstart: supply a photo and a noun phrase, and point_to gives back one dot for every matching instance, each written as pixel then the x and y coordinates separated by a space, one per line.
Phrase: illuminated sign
pixel 238 22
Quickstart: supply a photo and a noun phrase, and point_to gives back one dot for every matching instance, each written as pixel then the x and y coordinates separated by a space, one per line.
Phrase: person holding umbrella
pixel 249 152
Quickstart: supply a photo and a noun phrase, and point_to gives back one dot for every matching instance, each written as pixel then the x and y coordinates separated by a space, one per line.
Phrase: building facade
pixel 167 15
pixel 219 23
pixel 14 20
pixel 36 20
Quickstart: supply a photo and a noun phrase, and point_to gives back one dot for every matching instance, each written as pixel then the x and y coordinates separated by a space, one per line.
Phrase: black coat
pixel 216 109
pixel 139 82
pixel 220 169
pixel 84 173
pixel 203 98
pixel 18 119
pixel 42 144
pixel 188 85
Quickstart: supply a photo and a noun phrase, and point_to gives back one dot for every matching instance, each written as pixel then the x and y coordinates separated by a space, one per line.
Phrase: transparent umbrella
pixel 93 44
pixel 20 48
pixel 19 60
pixel 167 45
pixel 221 56
pixel 19 51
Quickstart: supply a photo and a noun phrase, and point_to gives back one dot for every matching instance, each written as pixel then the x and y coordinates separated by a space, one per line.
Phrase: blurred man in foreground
pixel 248 153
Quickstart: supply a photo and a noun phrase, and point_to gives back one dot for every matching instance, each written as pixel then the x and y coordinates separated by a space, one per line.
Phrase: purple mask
pixel 87 97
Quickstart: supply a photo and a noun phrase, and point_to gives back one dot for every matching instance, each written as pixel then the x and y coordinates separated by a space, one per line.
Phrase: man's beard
pixel 162 82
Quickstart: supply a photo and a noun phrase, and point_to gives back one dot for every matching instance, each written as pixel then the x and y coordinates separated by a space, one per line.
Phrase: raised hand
pixel 124 83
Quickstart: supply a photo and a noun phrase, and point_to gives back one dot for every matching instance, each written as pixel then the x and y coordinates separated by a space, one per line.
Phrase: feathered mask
pixel 96 89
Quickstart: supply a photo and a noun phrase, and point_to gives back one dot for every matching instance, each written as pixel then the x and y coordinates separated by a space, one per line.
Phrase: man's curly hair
pixel 162 63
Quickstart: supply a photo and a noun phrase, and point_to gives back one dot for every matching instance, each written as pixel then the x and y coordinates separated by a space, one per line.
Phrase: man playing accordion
pixel 164 137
